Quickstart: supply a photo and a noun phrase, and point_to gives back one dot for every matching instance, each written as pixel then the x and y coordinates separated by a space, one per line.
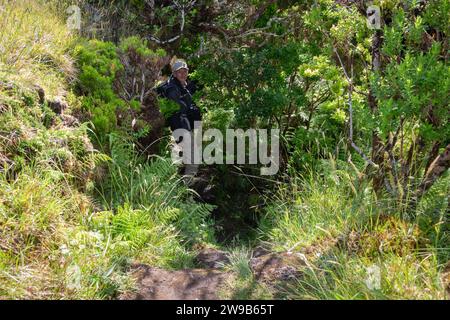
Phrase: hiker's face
pixel 181 75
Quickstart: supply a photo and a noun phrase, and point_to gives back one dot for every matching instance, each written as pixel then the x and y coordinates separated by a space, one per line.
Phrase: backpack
pixel 161 90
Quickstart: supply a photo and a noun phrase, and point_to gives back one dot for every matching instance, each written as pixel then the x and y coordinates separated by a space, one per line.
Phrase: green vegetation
pixel 99 64
pixel 72 219
pixel 352 232
pixel 364 120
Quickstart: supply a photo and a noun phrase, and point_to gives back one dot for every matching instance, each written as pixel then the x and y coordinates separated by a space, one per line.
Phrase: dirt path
pixel 205 283
pixel 191 284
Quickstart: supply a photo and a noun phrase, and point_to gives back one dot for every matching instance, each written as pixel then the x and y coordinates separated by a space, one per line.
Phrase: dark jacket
pixel 188 110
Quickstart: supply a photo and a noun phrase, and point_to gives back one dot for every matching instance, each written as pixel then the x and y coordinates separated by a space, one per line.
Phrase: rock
pixel 277 267
pixel 69 121
pixel 6 86
pixel 212 258
pixel 41 93
pixel 5 163
pixel 259 251
pixel 58 105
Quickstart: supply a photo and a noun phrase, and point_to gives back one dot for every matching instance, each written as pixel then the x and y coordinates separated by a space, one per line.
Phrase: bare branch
pixel 182 8
pixel 437 168
pixel 350 106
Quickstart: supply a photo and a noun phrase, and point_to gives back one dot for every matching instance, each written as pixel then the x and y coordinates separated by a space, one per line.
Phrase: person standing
pixel 180 89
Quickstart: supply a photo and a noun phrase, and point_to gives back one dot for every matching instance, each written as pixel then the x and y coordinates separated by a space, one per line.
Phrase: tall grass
pixel 36 213
pixel 315 206
pixel 59 243
pixel 345 230
pixel 35 44
pixel 343 276
pixel 61 236
pixel 61 239
pixel 144 184
pixel 242 284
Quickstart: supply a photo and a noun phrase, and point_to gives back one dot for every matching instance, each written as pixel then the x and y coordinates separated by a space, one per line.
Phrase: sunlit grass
pixel 352 231
pixel 242 284
pixel 342 276
pixel 72 219
pixel 35 44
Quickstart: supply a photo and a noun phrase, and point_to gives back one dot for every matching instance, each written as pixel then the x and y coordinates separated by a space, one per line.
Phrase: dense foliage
pixel 87 187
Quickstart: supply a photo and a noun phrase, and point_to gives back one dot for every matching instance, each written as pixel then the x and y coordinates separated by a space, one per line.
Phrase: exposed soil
pixel 205 283
pixel 190 284
pixel 212 258
pixel 277 267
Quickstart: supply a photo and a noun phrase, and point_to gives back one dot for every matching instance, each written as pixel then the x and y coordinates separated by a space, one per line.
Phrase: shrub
pixel 99 63
pixel 167 107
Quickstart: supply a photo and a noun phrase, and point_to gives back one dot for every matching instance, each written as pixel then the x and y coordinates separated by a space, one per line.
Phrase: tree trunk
pixel 437 168
pixel 434 152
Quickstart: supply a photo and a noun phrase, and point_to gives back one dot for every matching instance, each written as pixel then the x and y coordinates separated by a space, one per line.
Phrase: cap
pixel 179 64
